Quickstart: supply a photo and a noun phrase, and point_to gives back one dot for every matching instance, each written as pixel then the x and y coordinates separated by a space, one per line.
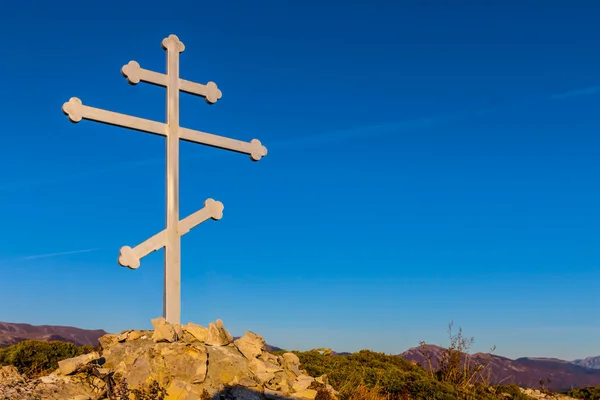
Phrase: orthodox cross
pixel 170 238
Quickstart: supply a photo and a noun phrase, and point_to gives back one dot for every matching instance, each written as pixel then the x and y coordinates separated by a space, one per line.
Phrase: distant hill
pixel 11 333
pixel 590 362
pixel 525 372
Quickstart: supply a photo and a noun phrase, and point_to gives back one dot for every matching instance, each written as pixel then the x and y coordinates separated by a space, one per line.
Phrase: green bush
pixel 34 357
pixel 395 377
pixel 588 393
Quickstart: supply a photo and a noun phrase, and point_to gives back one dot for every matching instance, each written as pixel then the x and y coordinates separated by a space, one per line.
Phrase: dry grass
pixel 363 392
pixel 456 366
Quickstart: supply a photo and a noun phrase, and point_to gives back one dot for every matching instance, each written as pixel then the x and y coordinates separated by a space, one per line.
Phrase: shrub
pixel 513 390
pixel 371 375
pixel 588 393
pixel 34 357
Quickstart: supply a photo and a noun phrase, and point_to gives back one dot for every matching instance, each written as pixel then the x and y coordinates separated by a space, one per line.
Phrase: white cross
pixel 170 238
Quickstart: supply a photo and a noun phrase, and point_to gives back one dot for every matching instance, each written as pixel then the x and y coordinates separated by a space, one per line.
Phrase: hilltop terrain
pixel 560 375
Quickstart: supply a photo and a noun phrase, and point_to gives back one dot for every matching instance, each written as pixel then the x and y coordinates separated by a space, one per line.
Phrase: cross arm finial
pixel 172 42
pixel 73 109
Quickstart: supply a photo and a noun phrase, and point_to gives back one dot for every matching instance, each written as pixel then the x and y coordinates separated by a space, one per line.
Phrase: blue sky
pixel 427 162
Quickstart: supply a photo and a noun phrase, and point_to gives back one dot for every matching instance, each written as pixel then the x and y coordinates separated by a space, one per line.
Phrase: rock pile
pixel 188 361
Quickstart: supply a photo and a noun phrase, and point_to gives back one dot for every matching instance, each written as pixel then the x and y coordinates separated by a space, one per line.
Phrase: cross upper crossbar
pixel 134 74
pixel 76 111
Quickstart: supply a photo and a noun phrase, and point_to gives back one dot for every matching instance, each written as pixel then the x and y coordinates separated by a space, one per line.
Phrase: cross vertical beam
pixel 172 288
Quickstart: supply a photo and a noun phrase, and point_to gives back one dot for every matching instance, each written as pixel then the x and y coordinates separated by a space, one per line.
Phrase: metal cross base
pixel 170 238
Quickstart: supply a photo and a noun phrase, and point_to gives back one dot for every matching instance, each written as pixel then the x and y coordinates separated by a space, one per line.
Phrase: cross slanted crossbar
pixel 170 238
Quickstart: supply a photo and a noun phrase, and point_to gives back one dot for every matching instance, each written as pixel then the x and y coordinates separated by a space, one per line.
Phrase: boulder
pixel 49 379
pixel 71 365
pixel 123 336
pixel 303 382
pixel 226 365
pixel 264 377
pixel 163 331
pixel 107 340
pixel 182 390
pixel 272 358
pixel 281 383
pixel 178 331
pixel 292 362
pixel 217 334
pixel 309 394
pixel 134 335
pixel 257 366
pixel 250 345
pixel 197 331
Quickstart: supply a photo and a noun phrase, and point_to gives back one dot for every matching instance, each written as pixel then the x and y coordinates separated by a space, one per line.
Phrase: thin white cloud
pixel 310 140
pixel 577 92
pixel 64 253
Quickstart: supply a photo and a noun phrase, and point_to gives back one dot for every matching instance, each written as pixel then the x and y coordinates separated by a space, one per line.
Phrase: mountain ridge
pixel 589 362
pixel 13 332
pixel 523 371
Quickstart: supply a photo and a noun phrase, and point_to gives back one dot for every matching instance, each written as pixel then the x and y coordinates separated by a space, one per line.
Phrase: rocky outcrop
pixel 538 394
pixel 188 362
pixel 14 386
